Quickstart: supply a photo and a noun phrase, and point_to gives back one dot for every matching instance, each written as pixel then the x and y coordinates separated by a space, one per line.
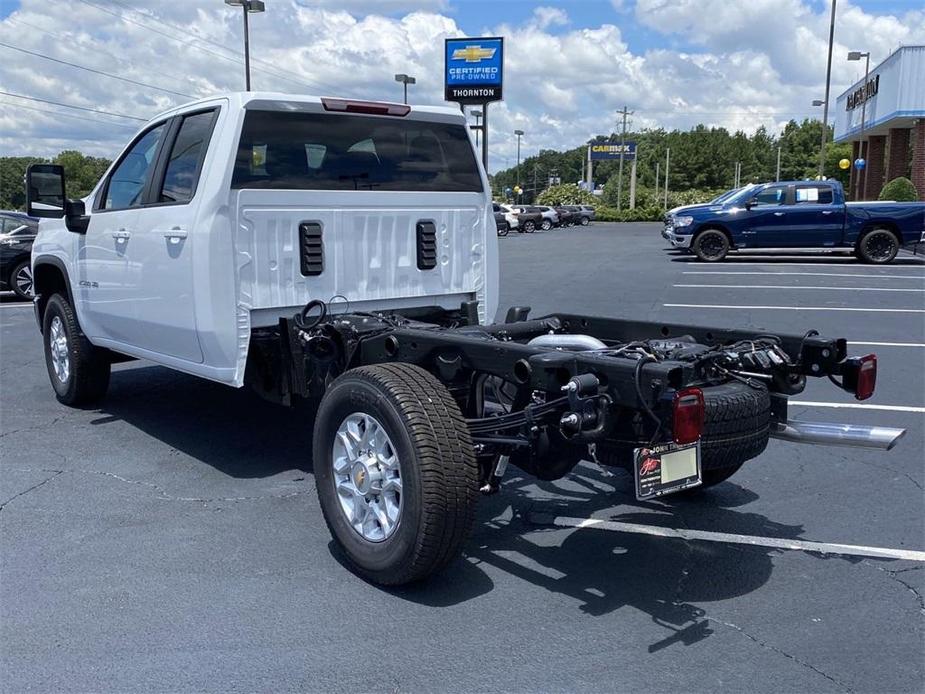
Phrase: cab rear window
pixel 318 151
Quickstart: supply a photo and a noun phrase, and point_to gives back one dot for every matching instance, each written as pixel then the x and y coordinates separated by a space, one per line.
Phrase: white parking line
pixel 808 274
pixel 886 344
pixel 800 308
pixel 858 406
pixel 784 286
pixel 735 539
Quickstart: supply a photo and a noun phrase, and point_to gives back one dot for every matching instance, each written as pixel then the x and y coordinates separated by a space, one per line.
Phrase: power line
pixel 95 71
pixel 65 115
pixel 189 44
pixel 148 15
pixel 79 108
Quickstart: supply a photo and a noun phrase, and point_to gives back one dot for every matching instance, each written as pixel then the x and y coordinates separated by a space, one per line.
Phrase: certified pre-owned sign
pixel 474 70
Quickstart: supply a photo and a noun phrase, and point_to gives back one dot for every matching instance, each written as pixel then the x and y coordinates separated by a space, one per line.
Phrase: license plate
pixel 666 469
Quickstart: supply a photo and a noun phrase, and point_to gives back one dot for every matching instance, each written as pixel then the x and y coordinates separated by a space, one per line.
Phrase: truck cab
pixel 221 216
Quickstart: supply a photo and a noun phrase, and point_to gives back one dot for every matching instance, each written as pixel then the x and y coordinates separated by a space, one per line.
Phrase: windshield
pixel 321 151
pixel 739 196
pixel 723 197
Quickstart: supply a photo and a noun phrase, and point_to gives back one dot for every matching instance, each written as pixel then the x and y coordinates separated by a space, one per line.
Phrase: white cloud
pixel 544 17
pixel 744 65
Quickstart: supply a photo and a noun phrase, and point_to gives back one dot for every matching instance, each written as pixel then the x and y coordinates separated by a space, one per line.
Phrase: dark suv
pixel 17 232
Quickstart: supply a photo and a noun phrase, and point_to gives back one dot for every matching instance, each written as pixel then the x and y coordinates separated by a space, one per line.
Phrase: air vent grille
pixel 427 245
pixel 311 249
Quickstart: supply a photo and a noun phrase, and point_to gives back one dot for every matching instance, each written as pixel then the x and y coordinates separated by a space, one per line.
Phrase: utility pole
pixel 625 113
pixel 825 107
pixel 658 166
pixel 778 163
pixel 667 161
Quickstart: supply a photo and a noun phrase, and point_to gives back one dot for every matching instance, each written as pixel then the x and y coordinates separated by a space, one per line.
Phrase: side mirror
pixel 750 203
pixel 45 197
pixel 45 191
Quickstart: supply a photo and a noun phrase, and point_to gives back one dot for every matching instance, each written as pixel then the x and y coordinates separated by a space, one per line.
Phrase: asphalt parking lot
pixel 171 540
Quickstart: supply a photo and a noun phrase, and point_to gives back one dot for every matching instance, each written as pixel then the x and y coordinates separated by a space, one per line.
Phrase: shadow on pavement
pixel 801 259
pixel 243 436
pixel 231 429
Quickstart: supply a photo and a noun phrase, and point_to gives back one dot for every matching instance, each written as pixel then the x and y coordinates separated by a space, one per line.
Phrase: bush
pixel 606 213
pixel 567 194
pixel 649 197
pixel 900 189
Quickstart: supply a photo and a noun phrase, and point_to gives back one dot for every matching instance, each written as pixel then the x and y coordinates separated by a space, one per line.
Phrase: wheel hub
pixel 367 477
pixel 57 343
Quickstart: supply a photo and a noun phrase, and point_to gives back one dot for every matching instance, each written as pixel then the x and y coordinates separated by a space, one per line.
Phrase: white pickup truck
pixel 345 253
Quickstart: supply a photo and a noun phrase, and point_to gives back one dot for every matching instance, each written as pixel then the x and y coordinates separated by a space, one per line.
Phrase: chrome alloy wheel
pixel 23 280
pixel 60 357
pixel 367 477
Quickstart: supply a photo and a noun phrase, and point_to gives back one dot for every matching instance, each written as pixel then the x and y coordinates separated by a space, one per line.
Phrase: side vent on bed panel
pixel 311 248
pixel 427 246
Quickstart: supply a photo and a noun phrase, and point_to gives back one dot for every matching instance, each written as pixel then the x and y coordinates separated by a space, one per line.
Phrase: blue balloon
pixel 859 164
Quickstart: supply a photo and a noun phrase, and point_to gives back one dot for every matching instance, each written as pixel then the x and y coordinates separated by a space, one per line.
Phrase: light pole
pixel 248 7
pixel 478 117
pixel 828 82
pixel 405 80
pixel 519 134
pixel 857 55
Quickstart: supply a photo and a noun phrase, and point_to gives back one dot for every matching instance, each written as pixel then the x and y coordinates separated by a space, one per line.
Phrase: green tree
pixel 12 181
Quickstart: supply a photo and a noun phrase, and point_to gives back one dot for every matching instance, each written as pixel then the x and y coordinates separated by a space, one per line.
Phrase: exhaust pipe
pixel 828 433
pixel 574 343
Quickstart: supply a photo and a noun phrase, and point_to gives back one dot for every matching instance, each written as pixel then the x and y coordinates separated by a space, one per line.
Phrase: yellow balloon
pixel 844 164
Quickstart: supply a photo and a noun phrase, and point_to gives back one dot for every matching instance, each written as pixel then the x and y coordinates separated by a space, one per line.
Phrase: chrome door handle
pixel 826 211
pixel 778 214
pixel 175 235
pixel 122 235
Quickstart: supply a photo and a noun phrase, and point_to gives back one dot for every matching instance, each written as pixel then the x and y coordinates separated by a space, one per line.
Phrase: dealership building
pixel 884 120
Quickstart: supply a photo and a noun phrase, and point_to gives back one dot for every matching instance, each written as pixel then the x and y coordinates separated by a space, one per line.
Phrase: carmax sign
pixel 612 150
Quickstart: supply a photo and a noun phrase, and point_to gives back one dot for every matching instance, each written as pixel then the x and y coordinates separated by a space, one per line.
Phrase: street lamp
pixel 405 80
pixel 248 6
pixel 519 134
pixel 857 55
pixel 818 102
pixel 478 117
pixel 825 103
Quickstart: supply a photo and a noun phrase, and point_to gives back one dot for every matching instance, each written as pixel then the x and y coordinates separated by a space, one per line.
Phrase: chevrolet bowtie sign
pixel 474 70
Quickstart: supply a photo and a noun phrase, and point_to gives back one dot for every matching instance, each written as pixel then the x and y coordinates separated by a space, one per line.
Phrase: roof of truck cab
pixel 244 99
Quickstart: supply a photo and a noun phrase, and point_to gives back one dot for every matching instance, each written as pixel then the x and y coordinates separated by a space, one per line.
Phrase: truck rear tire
pixel 711 245
pixel 395 471
pixel 878 246
pixel 79 372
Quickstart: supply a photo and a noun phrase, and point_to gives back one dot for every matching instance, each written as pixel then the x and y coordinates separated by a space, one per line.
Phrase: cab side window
pixel 127 181
pixel 813 195
pixel 776 195
pixel 186 155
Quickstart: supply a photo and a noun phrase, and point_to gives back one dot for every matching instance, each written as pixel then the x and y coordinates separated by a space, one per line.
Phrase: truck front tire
pixel 395 471
pixel 711 245
pixel 79 372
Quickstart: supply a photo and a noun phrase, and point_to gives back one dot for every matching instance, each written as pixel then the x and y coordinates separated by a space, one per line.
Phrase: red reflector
pixel 867 377
pixel 376 108
pixel 687 422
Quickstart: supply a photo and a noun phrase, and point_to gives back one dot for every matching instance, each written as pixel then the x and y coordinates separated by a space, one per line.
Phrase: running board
pixel 831 434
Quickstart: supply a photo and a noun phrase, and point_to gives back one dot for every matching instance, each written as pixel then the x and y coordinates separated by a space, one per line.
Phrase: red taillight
pixel 687 422
pixel 859 376
pixel 376 108
pixel 866 378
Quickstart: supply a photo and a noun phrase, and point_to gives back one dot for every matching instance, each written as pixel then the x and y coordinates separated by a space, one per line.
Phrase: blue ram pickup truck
pixel 796 214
